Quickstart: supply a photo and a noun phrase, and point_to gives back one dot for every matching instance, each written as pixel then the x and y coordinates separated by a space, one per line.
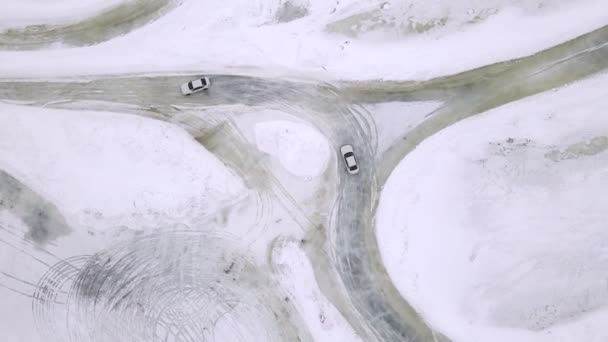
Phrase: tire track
pixel 181 286
pixel 333 116
pixel 226 143
pixel 118 20
pixel 377 303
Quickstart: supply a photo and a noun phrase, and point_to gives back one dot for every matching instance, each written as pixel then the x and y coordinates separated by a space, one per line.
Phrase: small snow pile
pixel 117 167
pixel 297 279
pixel 495 228
pixel 302 150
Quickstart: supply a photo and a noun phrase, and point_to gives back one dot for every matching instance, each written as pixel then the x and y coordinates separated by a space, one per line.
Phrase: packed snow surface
pixel 121 167
pixel 110 175
pixel 494 229
pixel 394 119
pixel 301 149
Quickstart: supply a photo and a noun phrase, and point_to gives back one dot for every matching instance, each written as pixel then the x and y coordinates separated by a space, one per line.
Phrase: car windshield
pixel 190 86
pixel 203 81
pixel 353 168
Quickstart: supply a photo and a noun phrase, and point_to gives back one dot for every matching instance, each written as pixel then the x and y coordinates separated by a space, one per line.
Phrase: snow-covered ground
pixel 494 228
pixel 118 176
pixel 21 13
pixel 491 229
pixel 295 275
pixel 298 156
pixel 132 169
pixel 111 176
pixel 301 149
pixel 354 39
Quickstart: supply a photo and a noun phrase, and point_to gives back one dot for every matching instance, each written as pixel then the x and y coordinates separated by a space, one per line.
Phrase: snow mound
pixel 495 228
pixel 301 149
pixel 98 166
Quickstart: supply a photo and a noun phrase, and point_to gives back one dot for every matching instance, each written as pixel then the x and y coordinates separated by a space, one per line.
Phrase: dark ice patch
pixel 43 219
pixel 289 12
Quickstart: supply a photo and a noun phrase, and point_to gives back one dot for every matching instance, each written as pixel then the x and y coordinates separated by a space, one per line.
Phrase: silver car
pixel 349 159
pixel 195 86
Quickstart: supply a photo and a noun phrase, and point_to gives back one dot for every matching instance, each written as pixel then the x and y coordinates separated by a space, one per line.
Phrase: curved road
pixel 110 23
pixel 370 291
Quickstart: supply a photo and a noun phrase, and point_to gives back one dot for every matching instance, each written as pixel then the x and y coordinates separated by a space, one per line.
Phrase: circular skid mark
pixel 52 295
pixel 180 286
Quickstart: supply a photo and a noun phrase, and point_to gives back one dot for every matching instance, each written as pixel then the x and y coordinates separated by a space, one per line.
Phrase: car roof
pixel 351 160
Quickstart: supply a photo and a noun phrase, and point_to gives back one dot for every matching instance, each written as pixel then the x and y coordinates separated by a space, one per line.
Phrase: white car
pixel 195 86
pixel 349 159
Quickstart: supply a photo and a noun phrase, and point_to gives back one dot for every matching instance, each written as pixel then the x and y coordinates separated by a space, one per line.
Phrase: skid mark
pixel 179 286
pixel 234 151
pixel 337 118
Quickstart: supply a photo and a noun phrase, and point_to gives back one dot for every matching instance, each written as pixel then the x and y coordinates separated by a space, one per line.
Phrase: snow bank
pixel 510 33
pixel 388 20
pixel 22 13
pixel 113 168
pixel 313 38
pixel 494 229
pixel 296 277
pixel 301 149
